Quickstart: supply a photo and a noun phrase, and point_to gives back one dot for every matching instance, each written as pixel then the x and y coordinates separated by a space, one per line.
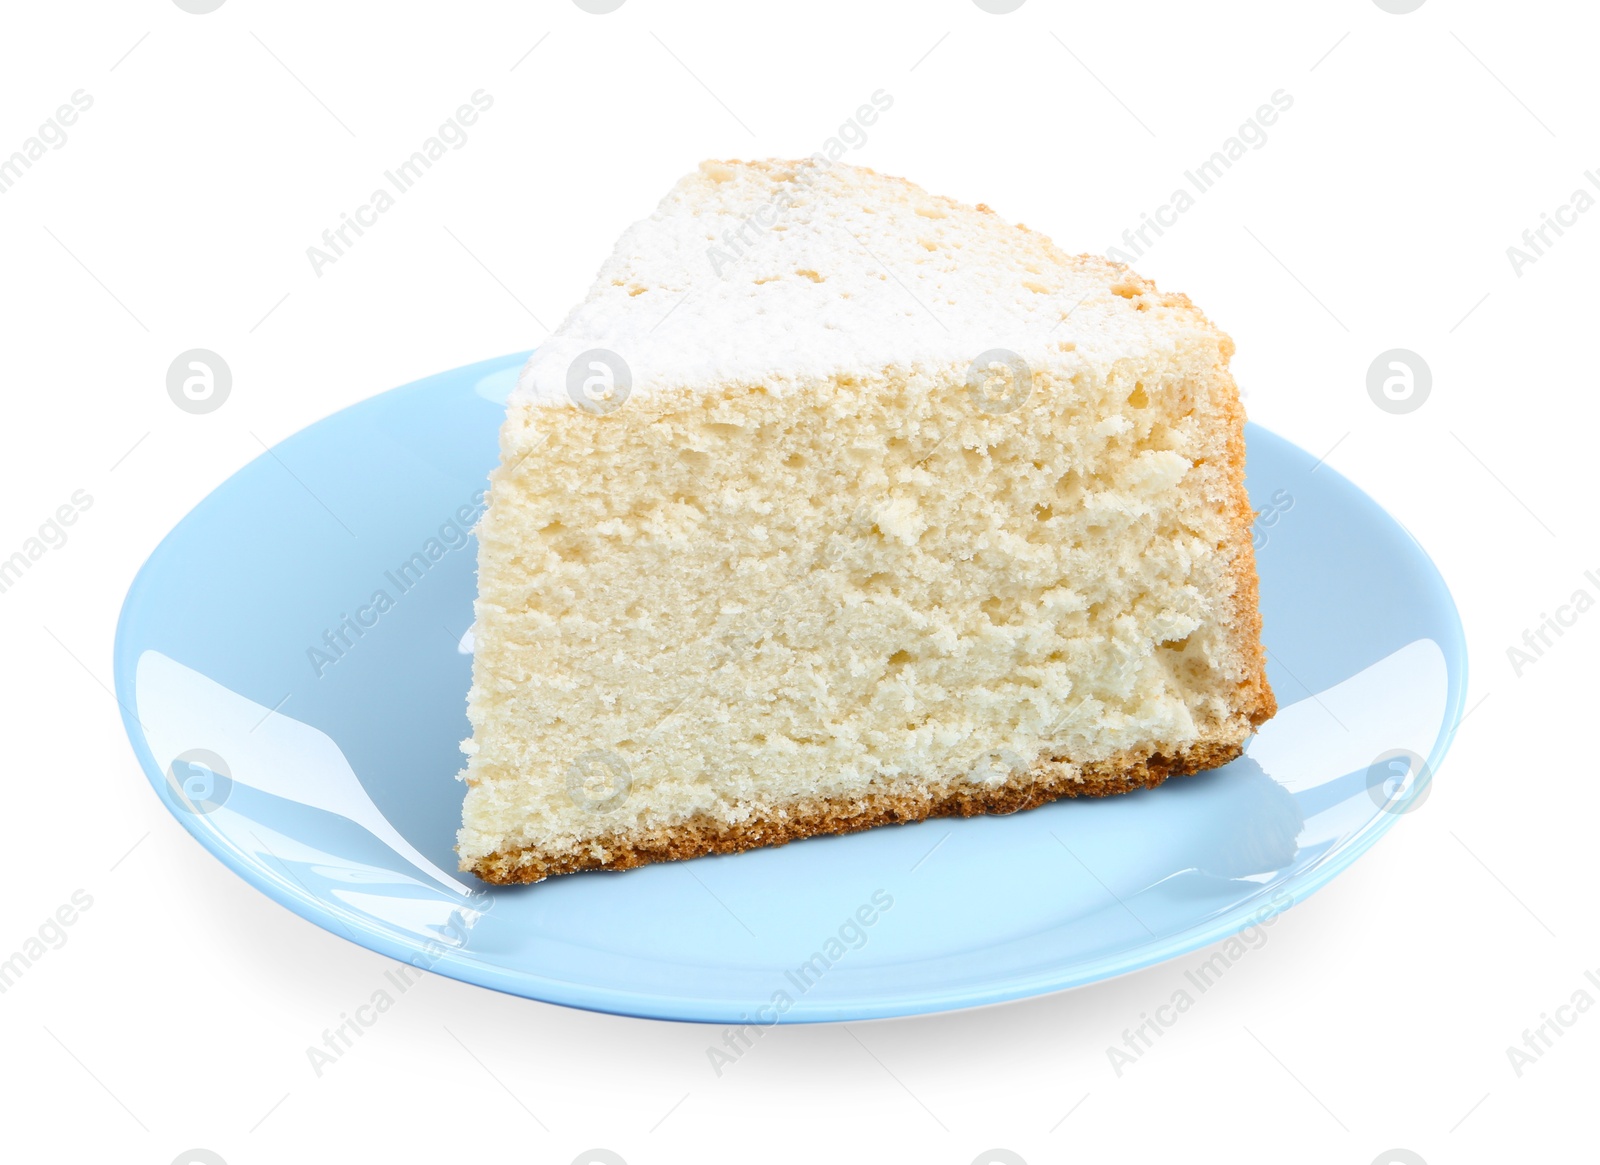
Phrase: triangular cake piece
pixel 837 504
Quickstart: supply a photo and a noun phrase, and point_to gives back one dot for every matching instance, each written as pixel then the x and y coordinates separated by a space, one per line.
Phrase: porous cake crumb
pixel 837 504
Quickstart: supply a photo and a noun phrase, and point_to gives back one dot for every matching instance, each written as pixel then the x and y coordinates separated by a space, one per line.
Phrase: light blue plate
pixel 322 772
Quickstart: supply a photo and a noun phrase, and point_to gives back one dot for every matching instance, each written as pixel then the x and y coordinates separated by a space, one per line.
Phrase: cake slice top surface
pixel 786 272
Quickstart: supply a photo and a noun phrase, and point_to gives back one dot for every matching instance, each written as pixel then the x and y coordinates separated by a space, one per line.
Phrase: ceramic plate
pixel 306 731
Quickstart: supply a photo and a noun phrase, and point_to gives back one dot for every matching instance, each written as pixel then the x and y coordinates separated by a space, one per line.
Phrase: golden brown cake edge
pixel 1048 780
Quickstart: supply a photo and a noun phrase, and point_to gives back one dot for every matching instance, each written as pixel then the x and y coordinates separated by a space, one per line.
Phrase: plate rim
pixel 670 1007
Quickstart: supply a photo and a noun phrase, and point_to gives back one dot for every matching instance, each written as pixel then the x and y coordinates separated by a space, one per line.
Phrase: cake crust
pixel 1048 780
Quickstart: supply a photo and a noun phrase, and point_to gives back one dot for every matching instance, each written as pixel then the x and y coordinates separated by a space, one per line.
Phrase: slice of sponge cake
pixel 836 504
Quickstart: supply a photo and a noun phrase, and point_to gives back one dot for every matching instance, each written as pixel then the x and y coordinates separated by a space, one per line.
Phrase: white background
pixel 219 147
